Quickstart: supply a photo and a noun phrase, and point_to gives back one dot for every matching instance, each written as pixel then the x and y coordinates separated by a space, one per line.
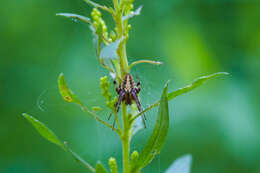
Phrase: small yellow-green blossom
pixel 99 23
pixel 113 165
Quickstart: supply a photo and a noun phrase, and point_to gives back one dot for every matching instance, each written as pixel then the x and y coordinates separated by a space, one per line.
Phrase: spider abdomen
pixel 128 84
pixel 128 99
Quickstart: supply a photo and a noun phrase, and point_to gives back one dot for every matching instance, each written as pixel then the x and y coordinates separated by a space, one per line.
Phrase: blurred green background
pixel 218 123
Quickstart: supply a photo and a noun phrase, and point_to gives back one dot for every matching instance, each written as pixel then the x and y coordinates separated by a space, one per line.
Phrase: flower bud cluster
pixel 99 23
pixel 104 85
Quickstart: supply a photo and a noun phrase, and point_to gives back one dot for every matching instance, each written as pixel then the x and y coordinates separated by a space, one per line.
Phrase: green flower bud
pixel 113 36
pixel 99 23
pixel 96 108
pixel 113 165
pixel 129 27
pixel 134 156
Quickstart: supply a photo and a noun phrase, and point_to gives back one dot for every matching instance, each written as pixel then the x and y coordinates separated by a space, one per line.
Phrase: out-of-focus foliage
pixel 218 124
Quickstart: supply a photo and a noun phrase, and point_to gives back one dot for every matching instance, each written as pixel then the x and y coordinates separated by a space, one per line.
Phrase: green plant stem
pixel 122 47
pixel 124 69
pixel 125 139
pixel 98 119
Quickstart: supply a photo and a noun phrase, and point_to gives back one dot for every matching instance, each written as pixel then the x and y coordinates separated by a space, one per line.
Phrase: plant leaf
pixel 50 136
pixel 132 14
pixel 196 83
pixel 75 16
pixel 110 51
pixel 65 92
pixel 100 168
pixel 181 165
pixel 44 131
pixel 158 137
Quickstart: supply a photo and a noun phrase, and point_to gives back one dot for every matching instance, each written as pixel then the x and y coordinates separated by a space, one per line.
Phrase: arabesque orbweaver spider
pixel 128 92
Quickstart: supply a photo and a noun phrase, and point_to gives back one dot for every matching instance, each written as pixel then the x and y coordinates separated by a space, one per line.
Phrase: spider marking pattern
pixel 128 92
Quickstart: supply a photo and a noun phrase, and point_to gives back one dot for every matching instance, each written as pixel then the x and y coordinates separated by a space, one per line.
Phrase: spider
pixel 128 92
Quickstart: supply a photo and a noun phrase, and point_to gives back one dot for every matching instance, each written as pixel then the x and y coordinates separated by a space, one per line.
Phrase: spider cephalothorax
pixel 128 92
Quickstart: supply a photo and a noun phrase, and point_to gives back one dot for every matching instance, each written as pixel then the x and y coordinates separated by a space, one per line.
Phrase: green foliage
pixel 198 82
pixel 188 88
pixel 50 136
pixel 157 139
pixel 44 131
pixel 65 92
pixel 111 53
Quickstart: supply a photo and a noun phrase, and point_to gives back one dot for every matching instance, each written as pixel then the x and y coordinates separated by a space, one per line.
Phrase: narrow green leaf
pixel 50 136
pixel 196 83
pixel 110 51
pixel 100 168
pixel 44 131
pixel 145 61
pixel 65 92
pixel 181 165
pixel 75 16
pixel 134 13
pixel 158 137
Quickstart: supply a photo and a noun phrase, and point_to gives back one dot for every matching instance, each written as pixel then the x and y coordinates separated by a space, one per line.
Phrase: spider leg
pixel 138 85
pixel 118 89
pixel 114 123
pixel 138 104
pixel 118 103
pixel 120 99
